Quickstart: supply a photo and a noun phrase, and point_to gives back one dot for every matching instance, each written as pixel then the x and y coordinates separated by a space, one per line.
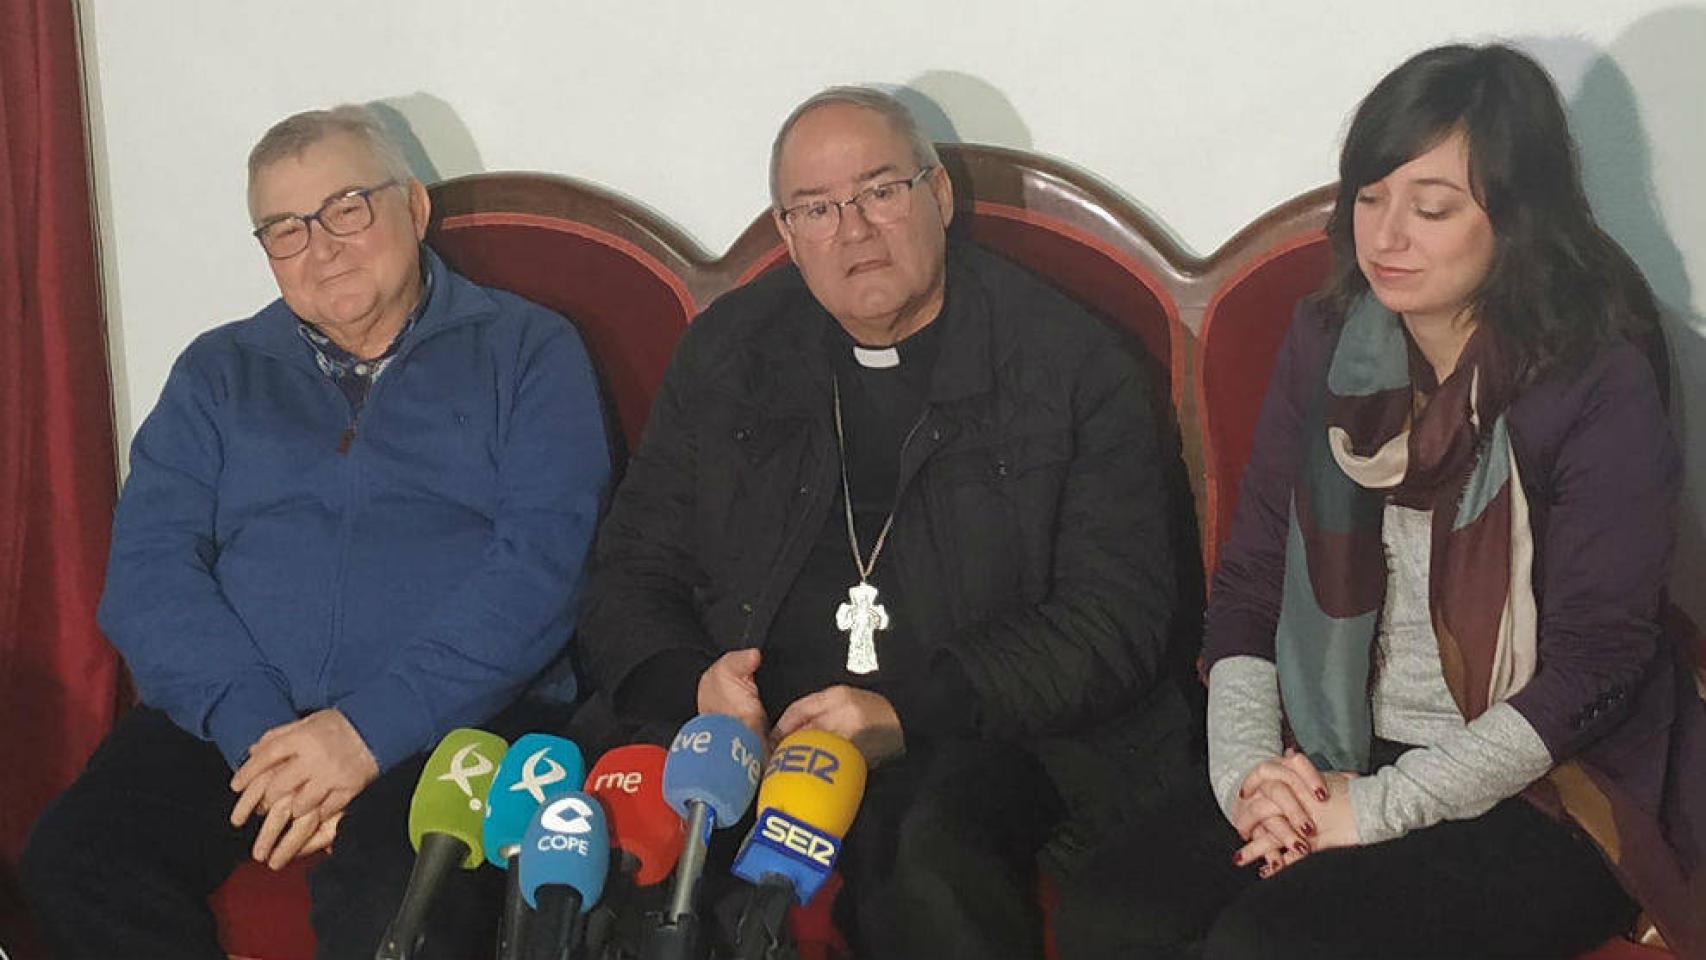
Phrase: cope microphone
pixel 445 817
pixel 810 794
pixel 565 855
pixel 708 778
pixel 536 765
pixel 646 833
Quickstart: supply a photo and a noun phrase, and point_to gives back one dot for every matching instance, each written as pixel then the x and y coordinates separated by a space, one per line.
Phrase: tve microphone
pixel 646 832
pixel 535 765
pixel 708 778
pixel 565 855
pixel 810 795
pixel 445 817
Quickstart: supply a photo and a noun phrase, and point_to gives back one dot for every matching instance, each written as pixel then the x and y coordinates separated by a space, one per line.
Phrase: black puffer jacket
pixel 1034 528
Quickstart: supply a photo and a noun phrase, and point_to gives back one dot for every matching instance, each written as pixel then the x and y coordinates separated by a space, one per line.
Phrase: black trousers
pixel 1510 883
pixel 941 862
pixel 942 859
pixel 122 863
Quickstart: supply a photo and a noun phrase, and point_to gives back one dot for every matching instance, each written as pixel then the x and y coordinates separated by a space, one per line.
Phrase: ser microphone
pixel 810 795
pixel 709 778
pixel 536 765
pixel 445 817
pixel 565 855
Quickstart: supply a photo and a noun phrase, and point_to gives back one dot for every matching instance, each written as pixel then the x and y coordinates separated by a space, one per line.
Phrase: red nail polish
pixel 1321 795
pixel 1302 848
pixel 1237 857
pixel 1309 828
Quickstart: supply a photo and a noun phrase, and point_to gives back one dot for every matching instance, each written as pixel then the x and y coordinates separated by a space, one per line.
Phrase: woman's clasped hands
pixel 1287 809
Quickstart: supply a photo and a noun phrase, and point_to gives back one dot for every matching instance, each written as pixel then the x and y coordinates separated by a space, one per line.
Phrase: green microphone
pixel 446 817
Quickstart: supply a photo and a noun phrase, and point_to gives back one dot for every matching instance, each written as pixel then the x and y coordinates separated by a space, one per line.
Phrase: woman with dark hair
pixel 1444 585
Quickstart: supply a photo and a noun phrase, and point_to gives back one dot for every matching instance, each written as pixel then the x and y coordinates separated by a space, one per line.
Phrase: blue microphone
pixel 709 778
pixel 536 765
pixel 565 855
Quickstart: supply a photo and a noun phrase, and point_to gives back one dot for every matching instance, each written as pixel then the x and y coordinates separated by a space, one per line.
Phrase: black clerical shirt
pixel 880 407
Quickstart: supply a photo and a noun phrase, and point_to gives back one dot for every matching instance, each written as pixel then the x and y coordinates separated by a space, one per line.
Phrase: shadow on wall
pixel 955 107
pixel 1638 100
pixel 960 108
pixel 435 141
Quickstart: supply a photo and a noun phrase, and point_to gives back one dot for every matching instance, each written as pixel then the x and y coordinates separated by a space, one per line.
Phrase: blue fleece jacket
pixel 415 578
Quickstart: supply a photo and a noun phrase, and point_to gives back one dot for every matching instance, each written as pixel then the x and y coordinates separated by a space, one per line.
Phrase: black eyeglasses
pixel 344 215
pixel 879 204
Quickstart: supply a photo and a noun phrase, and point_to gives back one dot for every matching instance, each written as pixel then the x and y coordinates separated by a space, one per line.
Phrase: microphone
pixel 811 793
pixel 628 781
pixel 444 828
pixel 647 834
pixel 708 778
pixel 535 765
pixel 565 855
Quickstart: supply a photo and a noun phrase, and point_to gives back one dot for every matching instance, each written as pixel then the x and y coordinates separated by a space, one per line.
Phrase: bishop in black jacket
pixel 930 420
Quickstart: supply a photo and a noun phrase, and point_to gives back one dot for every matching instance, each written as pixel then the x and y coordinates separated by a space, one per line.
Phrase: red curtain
pixel 58 677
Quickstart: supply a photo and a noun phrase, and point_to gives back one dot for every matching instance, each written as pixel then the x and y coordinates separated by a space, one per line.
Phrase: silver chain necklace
pixel 862 616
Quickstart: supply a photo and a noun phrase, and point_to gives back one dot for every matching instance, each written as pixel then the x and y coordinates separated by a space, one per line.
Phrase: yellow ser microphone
pixel 808 800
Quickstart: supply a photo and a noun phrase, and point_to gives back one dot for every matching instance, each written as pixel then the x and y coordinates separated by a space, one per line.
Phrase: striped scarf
pixel 1368 441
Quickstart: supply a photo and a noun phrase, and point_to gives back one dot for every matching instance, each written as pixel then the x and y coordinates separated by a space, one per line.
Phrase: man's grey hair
pixel 886 104
pixel 293 135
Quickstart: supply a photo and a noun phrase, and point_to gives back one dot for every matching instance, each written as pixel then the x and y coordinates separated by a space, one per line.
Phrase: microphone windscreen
pixel 715 759
pixel 628 781
pixel 810 795
pixel 567 844
pixel 536 765
pixel 450 797
pixel 816 777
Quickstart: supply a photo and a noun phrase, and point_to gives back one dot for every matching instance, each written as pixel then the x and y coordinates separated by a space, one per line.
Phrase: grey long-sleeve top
pixel 1463 768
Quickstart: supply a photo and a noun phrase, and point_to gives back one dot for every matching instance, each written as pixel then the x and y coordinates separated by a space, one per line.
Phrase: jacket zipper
pixel 357 497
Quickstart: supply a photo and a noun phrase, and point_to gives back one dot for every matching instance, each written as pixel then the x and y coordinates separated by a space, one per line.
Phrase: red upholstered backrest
pixel 628 305
pixel 1086 268
pixel 1242 329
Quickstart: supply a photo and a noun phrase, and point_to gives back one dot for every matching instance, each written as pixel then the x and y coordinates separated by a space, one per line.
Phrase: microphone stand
pixel 557 925
pixel 440 853
pixel 762 933
pixel 677 936
pixel 514 919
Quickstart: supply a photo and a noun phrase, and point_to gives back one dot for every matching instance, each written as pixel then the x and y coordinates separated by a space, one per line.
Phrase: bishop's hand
pixel 729 686
pixel 864 717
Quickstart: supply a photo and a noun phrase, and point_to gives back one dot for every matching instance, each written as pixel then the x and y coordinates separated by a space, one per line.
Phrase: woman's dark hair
pixel 1558 286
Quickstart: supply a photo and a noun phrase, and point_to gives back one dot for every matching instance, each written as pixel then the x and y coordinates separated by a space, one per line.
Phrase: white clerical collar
pixel 879 358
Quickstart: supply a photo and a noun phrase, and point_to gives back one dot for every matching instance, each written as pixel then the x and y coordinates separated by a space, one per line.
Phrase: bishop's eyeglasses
pixel 879 204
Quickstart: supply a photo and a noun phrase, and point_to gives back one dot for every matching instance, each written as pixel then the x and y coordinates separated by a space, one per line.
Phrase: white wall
pixel 1206 113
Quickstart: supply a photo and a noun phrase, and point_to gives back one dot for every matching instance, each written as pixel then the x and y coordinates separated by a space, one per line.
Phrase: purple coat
pixel 1612 688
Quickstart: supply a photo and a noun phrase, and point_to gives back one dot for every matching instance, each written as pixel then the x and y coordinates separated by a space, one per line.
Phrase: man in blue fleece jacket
pixel 354 521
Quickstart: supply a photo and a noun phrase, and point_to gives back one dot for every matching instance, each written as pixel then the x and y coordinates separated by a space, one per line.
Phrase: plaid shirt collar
pixel 345 368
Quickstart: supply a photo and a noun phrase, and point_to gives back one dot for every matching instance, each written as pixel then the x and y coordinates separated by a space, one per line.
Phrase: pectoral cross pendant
pixel 860 618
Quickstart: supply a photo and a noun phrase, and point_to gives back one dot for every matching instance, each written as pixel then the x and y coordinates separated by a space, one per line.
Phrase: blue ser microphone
pixel 536 765
pixel 709 778
pixel 564 858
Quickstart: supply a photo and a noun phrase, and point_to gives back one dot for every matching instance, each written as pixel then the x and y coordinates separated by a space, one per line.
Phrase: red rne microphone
pixel 646 836
pixel 628 781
